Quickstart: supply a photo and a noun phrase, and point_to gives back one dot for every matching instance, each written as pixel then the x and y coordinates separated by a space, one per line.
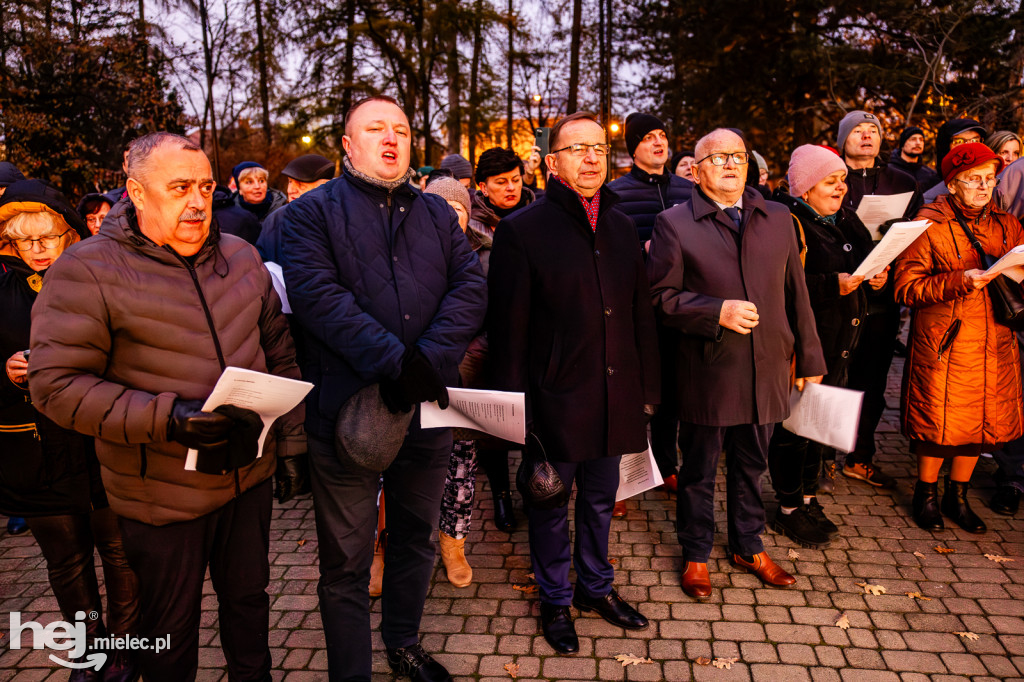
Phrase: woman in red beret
pixel 961 383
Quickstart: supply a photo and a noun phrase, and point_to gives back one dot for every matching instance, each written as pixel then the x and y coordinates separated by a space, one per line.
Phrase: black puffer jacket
pixel 274 200
pixel 880 179
pixel 926 177
pixel 44 470
pixel 833 248
pixel 643 196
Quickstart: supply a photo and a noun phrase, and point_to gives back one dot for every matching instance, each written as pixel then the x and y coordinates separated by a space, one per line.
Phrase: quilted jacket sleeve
pixel 70 346
pixel 319 299
pixel 687 311
pixel 916 282
pixel 460 316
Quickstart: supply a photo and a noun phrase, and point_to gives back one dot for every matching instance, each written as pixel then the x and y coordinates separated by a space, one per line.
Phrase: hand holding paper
pixel 1011 264
pixel 498 413
pixel 267 395
pixel 875 209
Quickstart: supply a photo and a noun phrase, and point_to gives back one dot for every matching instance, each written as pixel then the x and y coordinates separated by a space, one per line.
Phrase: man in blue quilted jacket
pixel 387 292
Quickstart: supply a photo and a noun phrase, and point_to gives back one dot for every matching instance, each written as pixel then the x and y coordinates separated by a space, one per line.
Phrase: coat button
pixel 407 317
pixel 847 247
pixel 395 258
pixel 845 353
pixel 597 253
pixel 611 371
pixel 382 205
pixel 608 312
pixel 855 322
pixel 402 209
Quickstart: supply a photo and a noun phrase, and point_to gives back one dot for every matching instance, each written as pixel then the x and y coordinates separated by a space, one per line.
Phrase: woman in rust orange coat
pixel 961 384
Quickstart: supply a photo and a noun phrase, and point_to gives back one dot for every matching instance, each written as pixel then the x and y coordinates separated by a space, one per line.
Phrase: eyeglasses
pixel 580 149
pixel 47 241
pixel 739 158
pixel 957 141
pixel 979 184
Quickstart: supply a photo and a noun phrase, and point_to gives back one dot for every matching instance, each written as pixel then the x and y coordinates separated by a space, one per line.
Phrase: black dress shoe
pixel 1006 501
pixel 612 609
pixel 417 665
pixel 955 506
pixel 559 631
pixel 504 518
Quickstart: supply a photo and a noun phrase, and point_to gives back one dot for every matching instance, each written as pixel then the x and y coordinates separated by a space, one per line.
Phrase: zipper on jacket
pixel 206 310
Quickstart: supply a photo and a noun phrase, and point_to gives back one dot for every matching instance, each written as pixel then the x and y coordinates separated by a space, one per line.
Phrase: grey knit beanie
pixel 458 165
pixel 851 121
pixel 450 189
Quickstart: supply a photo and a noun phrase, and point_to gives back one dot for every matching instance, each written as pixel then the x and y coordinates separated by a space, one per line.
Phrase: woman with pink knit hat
pixel 835 242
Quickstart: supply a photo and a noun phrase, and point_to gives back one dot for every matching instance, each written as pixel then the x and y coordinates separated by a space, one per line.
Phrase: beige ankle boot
pixel 453 554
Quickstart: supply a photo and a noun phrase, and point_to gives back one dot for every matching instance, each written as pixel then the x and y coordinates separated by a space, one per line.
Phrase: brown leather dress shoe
pixel 765 569
pixel 695 580
pixel 671 484
pixel 620 510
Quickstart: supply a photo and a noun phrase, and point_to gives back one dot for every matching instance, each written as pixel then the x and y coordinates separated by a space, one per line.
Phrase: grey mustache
pixel 192 215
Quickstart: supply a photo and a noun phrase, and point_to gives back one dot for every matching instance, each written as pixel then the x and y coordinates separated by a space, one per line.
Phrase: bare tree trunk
pixel 261 56
pixel 204 20
pixel 454 87
pixel 572 104
pixel 350 49
pixel 474 75
pixel 424 81
pixel 511 71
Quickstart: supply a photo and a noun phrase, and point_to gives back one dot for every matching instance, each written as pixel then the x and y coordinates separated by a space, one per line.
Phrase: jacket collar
pixel 404 190
pixel 649 178
pixel 703 206
pixel 565 197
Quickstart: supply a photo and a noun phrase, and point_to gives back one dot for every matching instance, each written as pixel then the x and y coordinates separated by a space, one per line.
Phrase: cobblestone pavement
pixel 776 634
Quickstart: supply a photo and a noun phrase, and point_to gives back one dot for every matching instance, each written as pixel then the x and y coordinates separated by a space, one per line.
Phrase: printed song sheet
pixel 498 413
pixel 875 209
pixel 638 472
pixel 1011 264
pixel 277 277
pixel 825 414
pixel 895 242
pixel 267 395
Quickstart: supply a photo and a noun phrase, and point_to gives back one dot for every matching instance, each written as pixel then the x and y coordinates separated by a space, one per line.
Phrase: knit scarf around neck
pixel 386 185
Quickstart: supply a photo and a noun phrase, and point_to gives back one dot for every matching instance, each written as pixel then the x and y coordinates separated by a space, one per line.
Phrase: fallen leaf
pixel 725 663
pixel 919 554
pixel 301 542
pixel 612 560
pixel 917 595
pixel 531 577
pixel 944 550
pixel 527 588
pixel 512 669
pixel 703 660
pixel 843 621
pixel 967 635
pixel 793 555
pixel 871 589
pixel 998 559
pixel 630 659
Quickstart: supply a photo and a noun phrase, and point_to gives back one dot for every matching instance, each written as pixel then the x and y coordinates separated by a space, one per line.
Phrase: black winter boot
pixel 926 506
pixel 955 506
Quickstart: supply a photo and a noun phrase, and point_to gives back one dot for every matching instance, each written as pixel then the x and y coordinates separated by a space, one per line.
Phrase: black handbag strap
pixel 973 238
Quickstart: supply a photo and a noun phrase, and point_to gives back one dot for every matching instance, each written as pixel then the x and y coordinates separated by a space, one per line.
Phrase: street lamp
pixel 306 139
pixel 614 127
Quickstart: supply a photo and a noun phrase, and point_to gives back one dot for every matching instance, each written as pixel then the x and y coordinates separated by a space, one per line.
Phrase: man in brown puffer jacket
pixel 129 336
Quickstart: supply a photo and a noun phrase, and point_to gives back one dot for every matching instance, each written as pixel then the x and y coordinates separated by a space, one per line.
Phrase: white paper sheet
pixel 499 413
pixel 825 414
pixel 1011 264
pixel 875 209
pixel 277 277
pixel 638 472
pixel 267 395
pixel 895 242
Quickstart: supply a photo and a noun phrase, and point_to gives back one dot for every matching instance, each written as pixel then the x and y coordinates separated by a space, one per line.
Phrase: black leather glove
pixel 196 429
pixel 419 382
pixel 291 478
